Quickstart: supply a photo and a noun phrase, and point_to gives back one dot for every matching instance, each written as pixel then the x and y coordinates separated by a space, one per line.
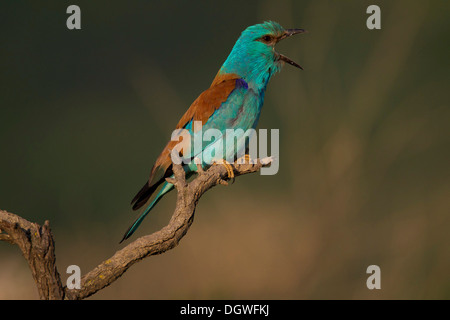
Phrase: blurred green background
pixel 364 133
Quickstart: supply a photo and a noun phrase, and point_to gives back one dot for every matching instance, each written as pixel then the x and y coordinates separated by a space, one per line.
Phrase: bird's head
pixel 254 57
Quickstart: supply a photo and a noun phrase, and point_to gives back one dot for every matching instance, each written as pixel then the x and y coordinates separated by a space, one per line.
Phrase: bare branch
pixel 37 243
pixel 38 248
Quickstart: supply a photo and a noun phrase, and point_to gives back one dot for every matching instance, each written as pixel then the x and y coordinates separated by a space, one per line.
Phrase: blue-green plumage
pixel 233 101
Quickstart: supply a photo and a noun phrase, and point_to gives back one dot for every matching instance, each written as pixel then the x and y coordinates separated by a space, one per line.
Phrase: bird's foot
pixel 245 159
pixel 228 167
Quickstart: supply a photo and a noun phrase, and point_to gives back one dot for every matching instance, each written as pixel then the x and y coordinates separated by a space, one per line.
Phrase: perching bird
pixel 233 101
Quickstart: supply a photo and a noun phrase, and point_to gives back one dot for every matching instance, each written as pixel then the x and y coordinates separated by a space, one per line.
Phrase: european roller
pixel 233 101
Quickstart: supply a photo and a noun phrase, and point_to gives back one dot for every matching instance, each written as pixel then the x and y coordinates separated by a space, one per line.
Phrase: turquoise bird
pixel 233 101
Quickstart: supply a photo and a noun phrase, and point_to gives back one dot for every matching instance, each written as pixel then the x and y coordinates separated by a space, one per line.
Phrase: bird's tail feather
pixel 165 188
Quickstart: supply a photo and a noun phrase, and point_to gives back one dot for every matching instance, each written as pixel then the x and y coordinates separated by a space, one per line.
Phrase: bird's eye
pixel 267 38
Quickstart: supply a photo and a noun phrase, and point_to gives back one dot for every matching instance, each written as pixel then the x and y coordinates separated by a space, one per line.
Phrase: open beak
pixel 287 34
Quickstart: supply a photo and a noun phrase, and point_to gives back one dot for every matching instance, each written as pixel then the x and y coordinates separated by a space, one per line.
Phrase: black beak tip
pixel 291 32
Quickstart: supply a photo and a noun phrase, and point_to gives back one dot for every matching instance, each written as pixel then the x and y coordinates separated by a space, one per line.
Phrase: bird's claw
pixel 229 168
pixel 245 159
